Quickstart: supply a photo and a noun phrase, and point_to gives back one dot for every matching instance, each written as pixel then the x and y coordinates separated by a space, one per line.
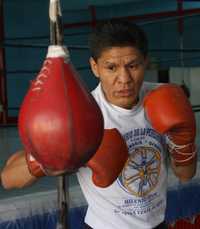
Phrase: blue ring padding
pixel 47 220
pixel 182 202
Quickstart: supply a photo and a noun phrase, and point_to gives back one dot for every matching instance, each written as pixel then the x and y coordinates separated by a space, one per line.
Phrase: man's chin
pixel 127 103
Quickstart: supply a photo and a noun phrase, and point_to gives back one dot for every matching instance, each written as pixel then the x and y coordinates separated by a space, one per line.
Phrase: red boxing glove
pixel 109 160
pixel 106 164
pixel 169 112
pixel 35 168
pixel 60 123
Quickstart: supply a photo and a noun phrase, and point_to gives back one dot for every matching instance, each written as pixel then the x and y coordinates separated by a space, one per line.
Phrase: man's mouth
pixel 125 92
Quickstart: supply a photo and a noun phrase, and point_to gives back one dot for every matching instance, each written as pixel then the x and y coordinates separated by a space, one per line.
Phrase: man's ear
pixel 94 67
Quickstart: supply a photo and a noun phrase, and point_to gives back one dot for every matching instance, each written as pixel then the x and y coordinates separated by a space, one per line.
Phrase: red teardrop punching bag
pixel 60 123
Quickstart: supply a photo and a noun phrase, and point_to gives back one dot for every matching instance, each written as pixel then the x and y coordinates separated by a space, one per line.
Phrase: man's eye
pixel 111 68
pixel 134 66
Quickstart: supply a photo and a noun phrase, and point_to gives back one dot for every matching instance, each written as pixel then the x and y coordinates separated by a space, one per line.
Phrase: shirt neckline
pixel 118 109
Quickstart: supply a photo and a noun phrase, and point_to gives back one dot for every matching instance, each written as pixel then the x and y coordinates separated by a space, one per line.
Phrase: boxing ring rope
pixel 39 46
pixel 41 37
pixel 166 15
pixel 162 18
pixel 85 47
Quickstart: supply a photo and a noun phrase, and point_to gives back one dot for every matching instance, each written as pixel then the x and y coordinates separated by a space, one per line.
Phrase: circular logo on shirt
pixel 141 171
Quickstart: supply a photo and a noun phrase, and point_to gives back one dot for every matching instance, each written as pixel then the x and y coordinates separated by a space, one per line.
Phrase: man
pixel 137 199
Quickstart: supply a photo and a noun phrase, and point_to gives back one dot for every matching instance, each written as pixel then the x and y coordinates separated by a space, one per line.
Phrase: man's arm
pixel 184 173
pixel 170 114
pixel 16 174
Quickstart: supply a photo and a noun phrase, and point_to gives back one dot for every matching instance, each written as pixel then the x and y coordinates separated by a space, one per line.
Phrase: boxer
pixel 156 122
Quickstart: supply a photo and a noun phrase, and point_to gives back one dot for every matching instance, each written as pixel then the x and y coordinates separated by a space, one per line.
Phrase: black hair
pixel 117 34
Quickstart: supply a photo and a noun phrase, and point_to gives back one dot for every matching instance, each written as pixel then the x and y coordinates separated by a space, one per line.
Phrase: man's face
pixel 121 72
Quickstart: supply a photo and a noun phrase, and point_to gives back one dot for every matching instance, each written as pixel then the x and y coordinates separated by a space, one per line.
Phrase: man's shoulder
pixel 147 87
pixel 150 85
pixel 95 90
pixel 96 93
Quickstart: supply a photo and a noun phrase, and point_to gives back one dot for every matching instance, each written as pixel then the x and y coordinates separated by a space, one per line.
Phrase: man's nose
pixel 124 75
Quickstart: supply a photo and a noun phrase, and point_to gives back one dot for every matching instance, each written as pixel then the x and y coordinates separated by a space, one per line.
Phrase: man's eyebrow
pixel 135 61
pixel 108 62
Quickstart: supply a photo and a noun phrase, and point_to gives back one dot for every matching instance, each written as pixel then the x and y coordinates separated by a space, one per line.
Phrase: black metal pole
pixel 57 38
pixel 63 199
